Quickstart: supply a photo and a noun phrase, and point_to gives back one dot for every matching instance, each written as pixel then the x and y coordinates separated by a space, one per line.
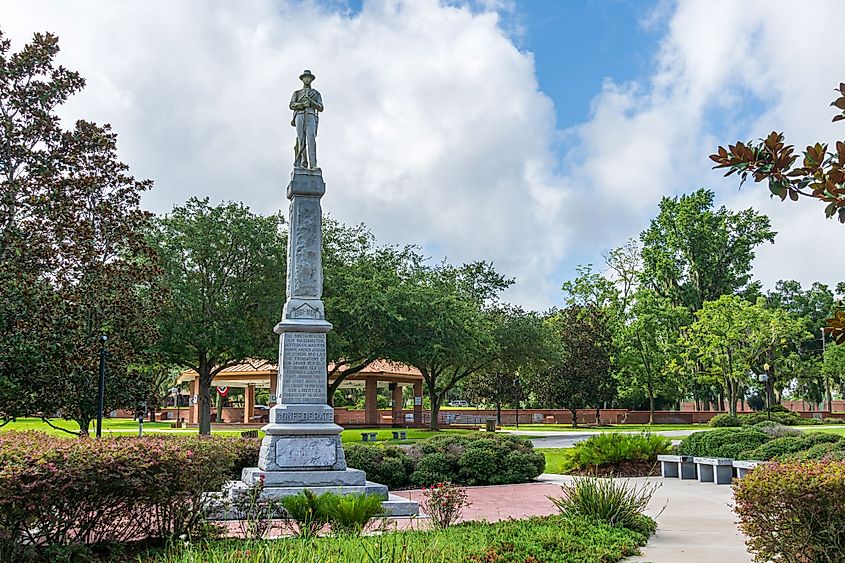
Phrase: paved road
pixel 553 439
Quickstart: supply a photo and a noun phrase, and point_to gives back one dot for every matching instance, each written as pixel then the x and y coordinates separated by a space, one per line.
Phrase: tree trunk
pixel 434 423
pixel 598 418
pixel 697 403
pixel 650 404
pixel 84 424
pixel 205 402
pixel 574 417
pixel 498 413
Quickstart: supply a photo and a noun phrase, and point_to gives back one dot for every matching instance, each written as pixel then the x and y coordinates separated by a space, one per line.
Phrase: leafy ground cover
pixel 626 455
pixel 552 539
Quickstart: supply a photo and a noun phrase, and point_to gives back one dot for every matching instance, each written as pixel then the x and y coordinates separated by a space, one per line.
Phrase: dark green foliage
pixel 775 449
pixel 830 451
pixel 722 442
pixel 787 418
pixel 308 512
pixel 612 448
pixel 350 514
pixel 388 465
pixel 619 503
pixel 465 459
pixel 724 420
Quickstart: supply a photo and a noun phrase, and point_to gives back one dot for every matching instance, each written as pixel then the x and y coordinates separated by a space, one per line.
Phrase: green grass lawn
pixel 552 538
pixel 554 459
pixel 840 430
pixel 126 426
pixel 613 428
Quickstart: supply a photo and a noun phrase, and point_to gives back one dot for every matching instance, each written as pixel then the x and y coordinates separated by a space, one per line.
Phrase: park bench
pixel 714 469
pixel 400 435
pixel 368 436
pixel 743 467
pixel 249 434
pixel 674 466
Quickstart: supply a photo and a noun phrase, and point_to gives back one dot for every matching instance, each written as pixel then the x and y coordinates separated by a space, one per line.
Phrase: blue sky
pixel 534 134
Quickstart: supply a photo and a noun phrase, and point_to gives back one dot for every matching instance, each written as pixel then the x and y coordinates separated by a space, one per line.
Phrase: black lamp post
pixel 768 394
pixel 101 387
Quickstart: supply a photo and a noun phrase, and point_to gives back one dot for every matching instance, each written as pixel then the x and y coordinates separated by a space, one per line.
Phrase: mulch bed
pixel 623 469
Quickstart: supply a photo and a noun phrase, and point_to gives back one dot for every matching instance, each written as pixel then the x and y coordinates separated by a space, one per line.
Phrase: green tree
pixel 693 253
pixel 733 338
pixel 647 345
pixel 360 293
pixel 448 329
pixel 580 374
pixel 73 261
pixel 833 366
pixel 224 269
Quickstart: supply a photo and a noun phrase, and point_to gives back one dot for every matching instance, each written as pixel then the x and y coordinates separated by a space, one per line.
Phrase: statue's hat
pixel 305 73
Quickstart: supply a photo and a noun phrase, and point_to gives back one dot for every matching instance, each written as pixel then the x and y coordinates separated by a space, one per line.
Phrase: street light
pixel 764 377
pixel 826 378
pixel 101 388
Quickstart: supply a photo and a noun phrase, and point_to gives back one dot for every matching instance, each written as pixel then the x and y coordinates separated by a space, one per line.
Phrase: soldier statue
pixel 306 105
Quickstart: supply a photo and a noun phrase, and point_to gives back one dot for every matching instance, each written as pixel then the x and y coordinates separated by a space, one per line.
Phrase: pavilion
pixel 261 374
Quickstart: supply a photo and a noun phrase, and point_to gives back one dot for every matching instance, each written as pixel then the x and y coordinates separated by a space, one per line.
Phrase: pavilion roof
pixel 264 367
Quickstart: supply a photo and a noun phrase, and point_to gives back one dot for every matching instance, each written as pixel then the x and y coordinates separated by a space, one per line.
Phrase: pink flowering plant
pixel 443 503
pixel 56 491
pixel 793 511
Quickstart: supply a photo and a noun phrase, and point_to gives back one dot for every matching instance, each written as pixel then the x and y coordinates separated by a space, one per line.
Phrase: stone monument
pixel 302 447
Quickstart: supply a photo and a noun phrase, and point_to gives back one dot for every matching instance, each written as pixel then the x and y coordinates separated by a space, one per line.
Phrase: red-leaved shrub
pixel 56 492
pixel 794 511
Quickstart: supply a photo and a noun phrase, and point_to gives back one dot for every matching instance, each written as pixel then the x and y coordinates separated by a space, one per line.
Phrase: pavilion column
pixel 194 410
pixel 418 391
pixel 397 403
pixel 274 382
pixel 371 401
pixel 249 402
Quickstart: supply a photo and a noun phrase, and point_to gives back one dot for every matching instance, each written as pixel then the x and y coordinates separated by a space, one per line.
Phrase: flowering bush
pixel 444 503
pixel 793 511
pixel 56 492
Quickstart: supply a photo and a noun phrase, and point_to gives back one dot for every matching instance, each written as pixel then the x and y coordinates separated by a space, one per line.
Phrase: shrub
pixel 444 503
pixel 433 468
pixel 388 465
pixel 256 513
pixel 785 417
pixel 833 420
pixel 613 447
pixel 776 430
pixel 793 511
pixel 775 448
pixel 308 512
pixel 350 514
pixel 477 459
pixel 722 442
pixel 56 492
pixel 619 503
pixel 829 451
pixel 724 420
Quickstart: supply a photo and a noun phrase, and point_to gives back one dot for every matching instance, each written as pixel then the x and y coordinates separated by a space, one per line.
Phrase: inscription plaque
pixel 306 452
pixel 300 413
pixel 303 368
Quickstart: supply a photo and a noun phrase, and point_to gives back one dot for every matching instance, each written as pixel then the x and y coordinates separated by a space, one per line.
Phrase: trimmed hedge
pixel 828 451
pixel 724 420
pixel 466 459
pixel 612 448
pixel 722 442
pixel 57 492
pixel 793 511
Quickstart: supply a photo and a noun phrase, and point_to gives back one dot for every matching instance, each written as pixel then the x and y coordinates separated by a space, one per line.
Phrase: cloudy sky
pixel 535 134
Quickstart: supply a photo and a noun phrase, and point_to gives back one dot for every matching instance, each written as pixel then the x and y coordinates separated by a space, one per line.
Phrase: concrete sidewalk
pixel 697 524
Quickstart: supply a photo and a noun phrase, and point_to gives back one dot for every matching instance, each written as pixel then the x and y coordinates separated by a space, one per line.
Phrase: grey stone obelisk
pixel 301 448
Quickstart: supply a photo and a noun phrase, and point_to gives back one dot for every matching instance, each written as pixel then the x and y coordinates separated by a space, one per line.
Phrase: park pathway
pixel 696 523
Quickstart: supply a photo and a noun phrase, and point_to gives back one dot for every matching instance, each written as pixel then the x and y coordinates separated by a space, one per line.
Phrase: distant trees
pixel 581 374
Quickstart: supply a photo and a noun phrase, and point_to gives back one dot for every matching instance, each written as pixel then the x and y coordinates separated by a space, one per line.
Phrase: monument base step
pixel 305 479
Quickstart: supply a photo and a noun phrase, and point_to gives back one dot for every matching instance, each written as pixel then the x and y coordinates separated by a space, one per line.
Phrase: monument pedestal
pixel 301 448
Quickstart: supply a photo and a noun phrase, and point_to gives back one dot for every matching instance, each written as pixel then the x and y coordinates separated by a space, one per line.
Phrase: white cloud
pixel 435 131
